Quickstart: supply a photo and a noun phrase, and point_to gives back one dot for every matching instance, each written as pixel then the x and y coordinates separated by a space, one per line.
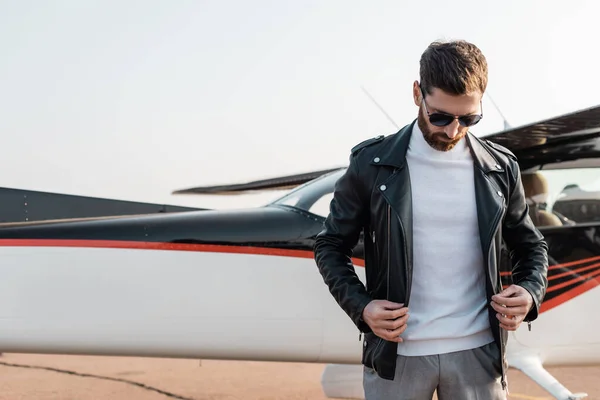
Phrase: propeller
pixel 277 183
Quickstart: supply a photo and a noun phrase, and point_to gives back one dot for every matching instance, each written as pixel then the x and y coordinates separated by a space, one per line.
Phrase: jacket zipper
pixel 387 296
pixel 388 251
pixel 388 271
pixel 502 349
pixel 374 247
pixel 406 269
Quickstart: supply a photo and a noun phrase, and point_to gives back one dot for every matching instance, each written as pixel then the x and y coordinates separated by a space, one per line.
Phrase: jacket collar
pixel 482 156
pixel 393 153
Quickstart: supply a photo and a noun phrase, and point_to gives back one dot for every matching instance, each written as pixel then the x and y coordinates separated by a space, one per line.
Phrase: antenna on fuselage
pixel 380 108
pixel 506 124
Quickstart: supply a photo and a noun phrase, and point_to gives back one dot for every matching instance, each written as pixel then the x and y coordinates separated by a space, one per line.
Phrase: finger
pixel 398 331
pixel 521 310
pixel 396 339
pixel 394 314
pixel 391 324
pixel 390 305
pixel 384 324
pixel 515 301
pixel 397 323
pixel 508 322
pixel 509 328
pixel 509 291
pixel 392 336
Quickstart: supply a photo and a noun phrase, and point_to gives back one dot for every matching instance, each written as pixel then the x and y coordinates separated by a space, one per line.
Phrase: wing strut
pixel 533 368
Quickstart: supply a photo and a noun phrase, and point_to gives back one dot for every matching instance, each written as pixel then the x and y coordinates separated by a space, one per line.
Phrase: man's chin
pixel 446 146
pixel 442 145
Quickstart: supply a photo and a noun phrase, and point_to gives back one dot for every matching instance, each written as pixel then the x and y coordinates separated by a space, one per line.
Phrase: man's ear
pixel 416 93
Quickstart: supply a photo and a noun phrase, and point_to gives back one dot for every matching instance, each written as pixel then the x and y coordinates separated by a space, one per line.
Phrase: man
pixel 436 205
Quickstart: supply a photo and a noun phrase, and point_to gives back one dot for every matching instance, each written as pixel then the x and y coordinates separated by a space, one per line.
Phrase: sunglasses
pixel 443 119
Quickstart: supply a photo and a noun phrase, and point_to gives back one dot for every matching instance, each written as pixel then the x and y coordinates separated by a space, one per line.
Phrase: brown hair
pixel 456 67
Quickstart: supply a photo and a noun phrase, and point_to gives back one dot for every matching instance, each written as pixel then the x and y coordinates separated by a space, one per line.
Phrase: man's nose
pixel 452 129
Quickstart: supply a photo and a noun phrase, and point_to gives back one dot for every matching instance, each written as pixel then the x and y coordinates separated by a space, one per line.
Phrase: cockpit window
pixel 313 196
pixel 558 197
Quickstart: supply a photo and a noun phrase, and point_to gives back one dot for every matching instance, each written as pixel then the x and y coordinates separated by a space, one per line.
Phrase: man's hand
pixel 386 319
pixel 512 305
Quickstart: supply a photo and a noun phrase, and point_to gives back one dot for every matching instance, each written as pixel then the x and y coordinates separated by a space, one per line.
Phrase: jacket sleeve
pixel 529 251
pixel 334 244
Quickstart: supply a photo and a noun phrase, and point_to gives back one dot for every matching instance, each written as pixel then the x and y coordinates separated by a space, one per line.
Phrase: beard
pixel 438 140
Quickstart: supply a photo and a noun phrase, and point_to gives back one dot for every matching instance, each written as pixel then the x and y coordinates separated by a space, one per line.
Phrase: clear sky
pixel 133 99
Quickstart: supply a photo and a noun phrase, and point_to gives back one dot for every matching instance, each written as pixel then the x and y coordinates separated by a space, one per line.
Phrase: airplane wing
pixel 28 206
pixel 566 138
pixel 561 128
pixel 571 137
pixel 532 367
pixel 277 183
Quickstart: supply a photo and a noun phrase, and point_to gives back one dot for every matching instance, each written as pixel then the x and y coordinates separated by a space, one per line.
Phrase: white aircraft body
pixel 243 284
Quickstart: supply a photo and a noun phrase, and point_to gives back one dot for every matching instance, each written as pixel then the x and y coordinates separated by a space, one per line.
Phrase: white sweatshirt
pixel 447 306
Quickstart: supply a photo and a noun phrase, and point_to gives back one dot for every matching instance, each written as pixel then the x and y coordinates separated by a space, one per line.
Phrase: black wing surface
pixel 565 138
pixel 21 205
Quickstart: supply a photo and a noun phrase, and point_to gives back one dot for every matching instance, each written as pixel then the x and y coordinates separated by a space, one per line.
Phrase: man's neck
pixel 419 146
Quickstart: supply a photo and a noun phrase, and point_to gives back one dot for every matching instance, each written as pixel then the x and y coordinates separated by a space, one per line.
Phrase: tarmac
pixel 64 377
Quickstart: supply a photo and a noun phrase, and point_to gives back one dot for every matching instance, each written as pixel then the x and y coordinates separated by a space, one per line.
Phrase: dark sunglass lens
pixel 440 119
pixel 469 120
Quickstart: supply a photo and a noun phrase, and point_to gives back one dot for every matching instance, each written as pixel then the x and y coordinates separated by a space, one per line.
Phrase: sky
pixel 134 99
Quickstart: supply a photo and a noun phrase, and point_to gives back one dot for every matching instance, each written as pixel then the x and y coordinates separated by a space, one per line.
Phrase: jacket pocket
pixel 372 345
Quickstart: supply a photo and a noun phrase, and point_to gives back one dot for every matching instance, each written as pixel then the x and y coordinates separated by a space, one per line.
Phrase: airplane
pixel 242 284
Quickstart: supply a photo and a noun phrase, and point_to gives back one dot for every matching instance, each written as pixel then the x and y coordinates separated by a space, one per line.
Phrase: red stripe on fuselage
pixel 119 244
pixel 559 266
pixel 571 294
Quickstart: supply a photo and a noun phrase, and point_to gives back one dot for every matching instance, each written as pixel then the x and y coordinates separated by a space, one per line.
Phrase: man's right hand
pixel 386 319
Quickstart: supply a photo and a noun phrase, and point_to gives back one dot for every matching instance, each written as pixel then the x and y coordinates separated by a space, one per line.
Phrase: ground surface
pixel 68 378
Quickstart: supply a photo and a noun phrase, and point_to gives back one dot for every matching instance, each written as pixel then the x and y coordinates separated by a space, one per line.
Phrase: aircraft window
pixel 556 197
pixel 563 197
pixel 321 206
pixel 314 196
pixel 290 201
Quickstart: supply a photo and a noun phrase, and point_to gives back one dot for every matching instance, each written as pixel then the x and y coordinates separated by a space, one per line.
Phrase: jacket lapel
pixel 396 189
pixel 489 197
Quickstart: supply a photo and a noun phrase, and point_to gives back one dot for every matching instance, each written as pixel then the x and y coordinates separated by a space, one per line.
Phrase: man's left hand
pixel 512 305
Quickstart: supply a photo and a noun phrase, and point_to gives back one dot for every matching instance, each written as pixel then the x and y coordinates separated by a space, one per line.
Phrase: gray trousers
pixel 462 375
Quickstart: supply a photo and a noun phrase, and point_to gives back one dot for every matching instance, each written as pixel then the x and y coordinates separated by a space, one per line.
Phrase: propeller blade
pixel 578 125
pixel 276 183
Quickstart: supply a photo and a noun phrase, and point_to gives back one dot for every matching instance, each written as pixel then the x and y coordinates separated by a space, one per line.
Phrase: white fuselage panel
pixel 170 304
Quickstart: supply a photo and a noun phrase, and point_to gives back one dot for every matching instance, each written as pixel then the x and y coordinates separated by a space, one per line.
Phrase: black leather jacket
pixel 373 196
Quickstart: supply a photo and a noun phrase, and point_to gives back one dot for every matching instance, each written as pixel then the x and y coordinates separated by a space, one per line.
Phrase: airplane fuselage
pixel 233 285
